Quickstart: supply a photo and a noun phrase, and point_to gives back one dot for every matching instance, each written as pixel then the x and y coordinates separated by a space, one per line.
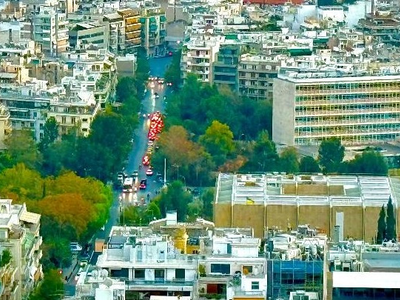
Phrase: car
pixel 120 176
pixel 149 172
pixel 146 160
pixel 75 247
pixel 161 81
pixel 143 184
pixel 156 95
pixel 169 83
pixel 135 174
pixel 83 263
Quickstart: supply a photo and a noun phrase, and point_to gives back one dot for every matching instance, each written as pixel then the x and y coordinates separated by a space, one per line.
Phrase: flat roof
pixel 317 189
pixel 383 280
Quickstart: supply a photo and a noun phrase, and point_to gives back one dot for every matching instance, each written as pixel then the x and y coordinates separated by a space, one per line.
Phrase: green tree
pixel 391 234
pixel 5 257
pixel 331 154
pixel 208 198
pixel 126 88
pixel 218 141
pixel 173 72
pixel 289 160
pixel 263 157
pixel 51 288
pixel 50 133
pixel 174 197
pixel 381 235
pixel 369 162
pixel 22 148
pixel 309 165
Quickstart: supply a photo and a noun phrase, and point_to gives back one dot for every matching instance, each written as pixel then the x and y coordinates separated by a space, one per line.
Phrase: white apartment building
pixel 5 126
pixel 19 234
pixel 76 111
pixel 233 269
pixel 198 55
pixel 149 264
pixel 356 106
pixel 27 106
pixel 50 30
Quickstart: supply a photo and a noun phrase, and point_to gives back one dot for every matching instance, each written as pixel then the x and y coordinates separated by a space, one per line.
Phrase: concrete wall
pixel 359 222
pixel 275 213
pixel 283 112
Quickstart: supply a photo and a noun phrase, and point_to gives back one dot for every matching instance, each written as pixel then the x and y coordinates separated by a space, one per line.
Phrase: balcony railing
pixel 161 282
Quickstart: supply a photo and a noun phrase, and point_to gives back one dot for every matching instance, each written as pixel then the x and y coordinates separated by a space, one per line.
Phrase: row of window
pixel 355 139
pixel 350 86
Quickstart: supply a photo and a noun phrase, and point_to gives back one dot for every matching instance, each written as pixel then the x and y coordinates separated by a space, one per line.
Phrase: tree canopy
pixel 330 155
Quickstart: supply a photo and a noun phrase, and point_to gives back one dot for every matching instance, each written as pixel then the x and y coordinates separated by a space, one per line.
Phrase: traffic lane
pixel 158 66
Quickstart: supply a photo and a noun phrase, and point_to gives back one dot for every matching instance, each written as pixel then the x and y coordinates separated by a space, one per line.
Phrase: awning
pixel 30 217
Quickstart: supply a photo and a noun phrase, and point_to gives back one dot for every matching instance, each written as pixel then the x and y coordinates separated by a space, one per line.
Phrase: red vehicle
pixel 143 184
pixel 146 160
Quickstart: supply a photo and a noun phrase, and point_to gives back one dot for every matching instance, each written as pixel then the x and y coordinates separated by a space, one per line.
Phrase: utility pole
pixel 165 173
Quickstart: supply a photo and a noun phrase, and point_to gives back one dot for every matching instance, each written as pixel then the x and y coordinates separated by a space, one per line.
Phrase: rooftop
pixel 339 190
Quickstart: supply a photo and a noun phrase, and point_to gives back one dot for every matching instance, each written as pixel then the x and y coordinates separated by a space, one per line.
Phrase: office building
pixel 355 106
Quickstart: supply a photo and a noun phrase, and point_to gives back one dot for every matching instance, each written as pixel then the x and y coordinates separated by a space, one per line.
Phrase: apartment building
pixel 148 263
pixel 76 111
pixel 355 106
pixel 225 67
pixel 198 56
pixel 19 236
pixel 267 201
pixel 230 266
pixel 83 35
pixel 153 30
pixel 358 270
pixel 27 106
pixel 114 32
pixel 256 74
pixel 5 126
pixel 50 30
pixel 132 28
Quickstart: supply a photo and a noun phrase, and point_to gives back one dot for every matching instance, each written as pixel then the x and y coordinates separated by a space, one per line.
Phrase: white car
pixel 75 247
pixel 149 172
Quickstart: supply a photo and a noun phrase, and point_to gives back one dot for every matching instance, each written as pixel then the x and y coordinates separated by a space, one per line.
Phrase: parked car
pixel 75 247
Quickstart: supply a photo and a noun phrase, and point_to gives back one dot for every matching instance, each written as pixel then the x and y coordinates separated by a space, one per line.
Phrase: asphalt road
pixel 149 105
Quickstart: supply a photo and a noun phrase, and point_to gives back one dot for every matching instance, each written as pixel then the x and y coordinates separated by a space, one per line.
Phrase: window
pixel 255 285
pixel 179 273
pixel 139 273
pixel 159 274
pixel 221 268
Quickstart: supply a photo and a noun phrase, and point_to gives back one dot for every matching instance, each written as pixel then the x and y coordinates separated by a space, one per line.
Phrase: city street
pixel 150 104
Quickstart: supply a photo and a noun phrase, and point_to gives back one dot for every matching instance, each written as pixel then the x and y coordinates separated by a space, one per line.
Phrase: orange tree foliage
pixel 68 209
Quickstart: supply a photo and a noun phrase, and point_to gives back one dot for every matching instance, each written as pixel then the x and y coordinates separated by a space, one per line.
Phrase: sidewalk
pixel 68 272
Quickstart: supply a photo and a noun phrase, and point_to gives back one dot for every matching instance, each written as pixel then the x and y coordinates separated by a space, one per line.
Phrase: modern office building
pixel 280 201
pixel 358 107
pixel 19 232
pixel 225 67
pixel 50 30
pixel 153 30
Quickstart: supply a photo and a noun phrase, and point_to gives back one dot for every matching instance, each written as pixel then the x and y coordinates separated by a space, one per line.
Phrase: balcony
pixel 160 285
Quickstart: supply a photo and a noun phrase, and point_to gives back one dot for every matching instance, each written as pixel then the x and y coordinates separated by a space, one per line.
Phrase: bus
pixel 129 185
